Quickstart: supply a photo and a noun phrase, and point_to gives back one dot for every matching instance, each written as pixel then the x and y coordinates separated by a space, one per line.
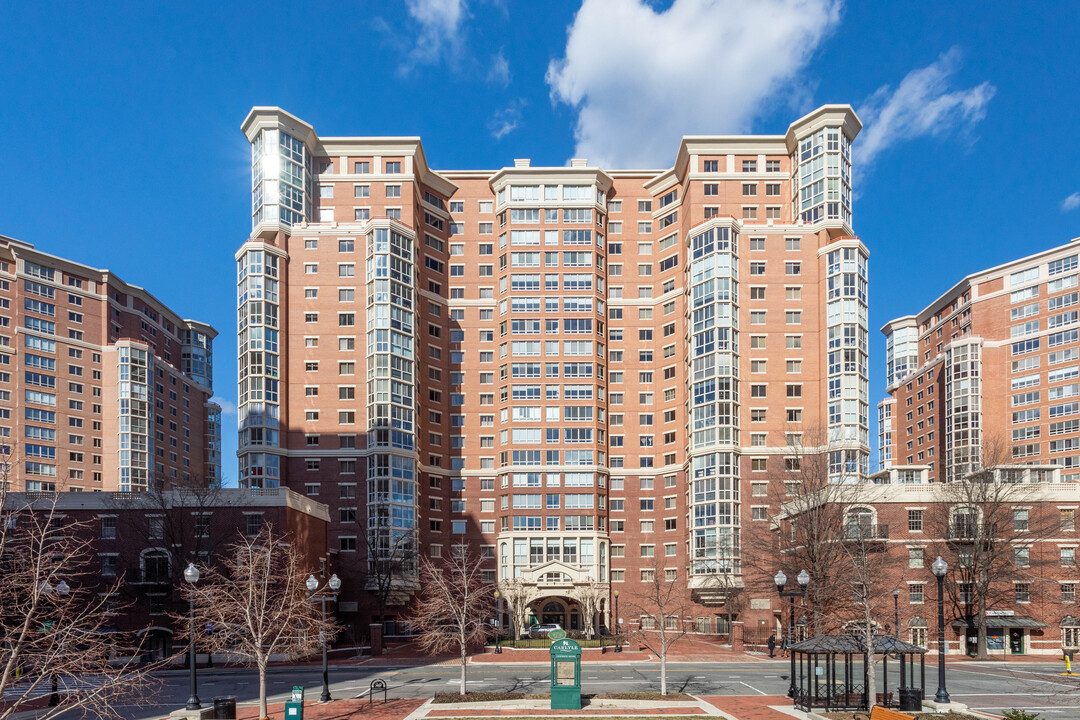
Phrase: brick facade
pixel 143 542
pixel 572 370
pixel 103 387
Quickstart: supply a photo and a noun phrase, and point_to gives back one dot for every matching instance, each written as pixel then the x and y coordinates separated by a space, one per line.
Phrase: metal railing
pixel 866 532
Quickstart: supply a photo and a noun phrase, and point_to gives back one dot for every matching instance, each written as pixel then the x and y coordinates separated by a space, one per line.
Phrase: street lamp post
pixel 940 567
pixel 62 590
pixel 498 622
pixel 618 629
pixel 896 625
pixel 312 585
pixel 803 579
pixel 191 575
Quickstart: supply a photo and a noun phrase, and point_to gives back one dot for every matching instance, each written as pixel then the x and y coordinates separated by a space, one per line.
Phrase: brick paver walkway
pixel 750 707
pixel 518 712
pixel 339 710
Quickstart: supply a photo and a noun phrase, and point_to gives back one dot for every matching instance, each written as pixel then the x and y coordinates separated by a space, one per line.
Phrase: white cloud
pixel 499 72
pixel 439 31
pixel 922 104
pixel 641 79
pixel 1071 203
pixel 228 407
pixel 506 120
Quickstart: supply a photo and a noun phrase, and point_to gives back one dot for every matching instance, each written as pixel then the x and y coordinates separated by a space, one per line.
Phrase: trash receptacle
pixel 294 708
pixel 910 699
pixel 225 708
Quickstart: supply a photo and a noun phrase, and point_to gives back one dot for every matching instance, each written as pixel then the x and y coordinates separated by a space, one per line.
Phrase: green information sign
pixel 565 673
pixel 556 634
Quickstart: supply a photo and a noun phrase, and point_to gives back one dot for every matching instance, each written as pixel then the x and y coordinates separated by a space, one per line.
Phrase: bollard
pixel 1068 665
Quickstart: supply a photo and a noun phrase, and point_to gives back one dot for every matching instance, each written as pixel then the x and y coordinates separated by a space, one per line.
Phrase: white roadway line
pixel 1054 708
pixel 1048 682
pixel 1008 694
pixel 752 688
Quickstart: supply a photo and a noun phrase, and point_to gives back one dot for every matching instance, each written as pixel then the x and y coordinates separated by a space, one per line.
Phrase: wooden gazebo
pixel 820 683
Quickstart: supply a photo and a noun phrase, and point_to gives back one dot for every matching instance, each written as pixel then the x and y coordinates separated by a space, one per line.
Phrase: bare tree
pixel 450 615
pixel 391 565
pixel 991 519
pixel 516 595
pixel 591 597
pixel 257 603
pixel 662 607
pixel 864 575
pixel 56 617
pixel 809 498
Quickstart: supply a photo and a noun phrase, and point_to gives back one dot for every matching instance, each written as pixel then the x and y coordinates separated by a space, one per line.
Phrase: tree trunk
pixel 981 652
pixel 730 632
pixel 464 657
pixel 262 690
pixel 663 660
pixel 871 669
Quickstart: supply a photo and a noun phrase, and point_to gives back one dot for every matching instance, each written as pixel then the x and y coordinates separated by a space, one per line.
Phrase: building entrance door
pixel 553 612
pixel 1016 641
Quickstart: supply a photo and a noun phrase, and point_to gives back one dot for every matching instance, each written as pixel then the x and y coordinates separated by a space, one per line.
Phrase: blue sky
pixel 123 147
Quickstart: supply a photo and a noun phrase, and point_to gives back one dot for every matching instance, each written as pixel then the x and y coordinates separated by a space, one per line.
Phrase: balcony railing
pixel 141 576
pixel 866 532
pixel 968 531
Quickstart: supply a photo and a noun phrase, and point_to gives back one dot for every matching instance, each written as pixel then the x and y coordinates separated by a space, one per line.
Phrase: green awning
pixel 1015 621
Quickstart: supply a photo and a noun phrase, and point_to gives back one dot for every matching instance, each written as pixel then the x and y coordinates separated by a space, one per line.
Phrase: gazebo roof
pixel 843 643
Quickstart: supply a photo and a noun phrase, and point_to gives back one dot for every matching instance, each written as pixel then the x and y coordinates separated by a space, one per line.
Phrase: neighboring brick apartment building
pixel 1032 597
pixel 144 540
pixel 990 367
pixel 104 388
pixel 583 374
pixel 988 375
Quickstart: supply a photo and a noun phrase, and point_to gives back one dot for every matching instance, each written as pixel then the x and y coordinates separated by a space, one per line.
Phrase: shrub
pixel 1020 715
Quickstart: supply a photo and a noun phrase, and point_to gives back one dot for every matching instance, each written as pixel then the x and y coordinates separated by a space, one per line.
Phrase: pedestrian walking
pixel 772 645
pixel 784 647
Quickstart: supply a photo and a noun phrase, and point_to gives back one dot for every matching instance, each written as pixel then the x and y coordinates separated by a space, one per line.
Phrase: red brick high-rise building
pixel 583 374
pixel 102 387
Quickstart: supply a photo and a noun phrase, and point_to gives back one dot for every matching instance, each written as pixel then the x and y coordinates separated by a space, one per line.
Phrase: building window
pixel 253 524
pixel 915 520
pixel 108 528
pixel 915 593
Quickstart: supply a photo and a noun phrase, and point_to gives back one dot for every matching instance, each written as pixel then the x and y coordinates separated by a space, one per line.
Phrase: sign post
pixel 565 675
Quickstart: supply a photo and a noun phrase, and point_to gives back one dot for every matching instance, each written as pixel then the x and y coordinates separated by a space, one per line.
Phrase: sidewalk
pixel 752 707
pixel 337 710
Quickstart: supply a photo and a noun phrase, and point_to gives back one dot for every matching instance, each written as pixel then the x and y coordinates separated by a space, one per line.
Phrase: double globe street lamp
pixel 803 579
pixel 312 584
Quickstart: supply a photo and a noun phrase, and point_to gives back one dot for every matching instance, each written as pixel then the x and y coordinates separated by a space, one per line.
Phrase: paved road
pixel 981 686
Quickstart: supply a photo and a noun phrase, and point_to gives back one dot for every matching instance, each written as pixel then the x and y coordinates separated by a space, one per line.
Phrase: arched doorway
pixel 555 610
pixel 157 645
